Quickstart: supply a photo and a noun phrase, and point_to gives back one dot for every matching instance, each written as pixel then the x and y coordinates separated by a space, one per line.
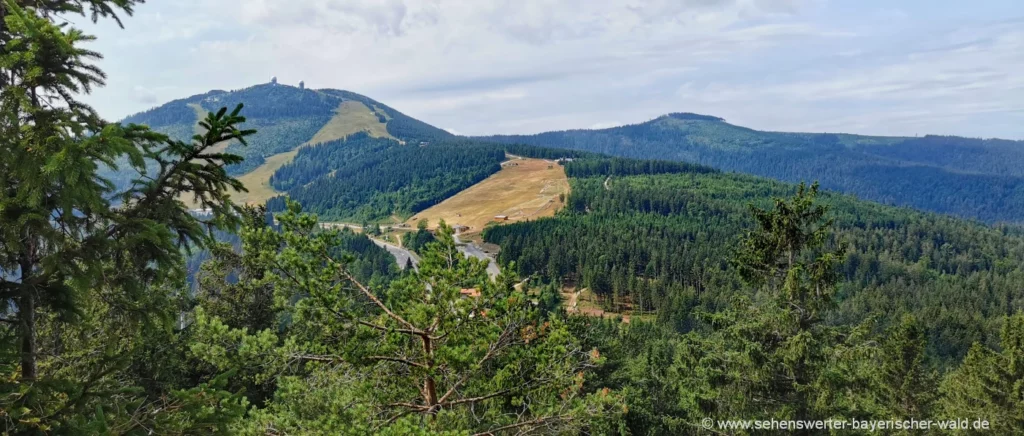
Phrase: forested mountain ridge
pixel 972 178
pixel 284 116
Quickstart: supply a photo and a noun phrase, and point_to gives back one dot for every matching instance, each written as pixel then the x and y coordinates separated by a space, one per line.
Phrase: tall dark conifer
pixel 68 238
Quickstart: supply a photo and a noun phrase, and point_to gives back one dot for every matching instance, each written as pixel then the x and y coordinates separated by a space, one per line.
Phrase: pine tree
pixel 767 353
pixel 989 384
pixel 69 239
pixel 443 348
pixel 773 256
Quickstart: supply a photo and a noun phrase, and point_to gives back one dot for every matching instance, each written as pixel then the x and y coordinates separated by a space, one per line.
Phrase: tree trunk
pixel 27 321
pixel 429 387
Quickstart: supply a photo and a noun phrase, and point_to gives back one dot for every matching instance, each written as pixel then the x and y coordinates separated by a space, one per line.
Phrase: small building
pixel 470 292
pixel 302 84
pixel 273 80
pixel 501 217
pixel 459 228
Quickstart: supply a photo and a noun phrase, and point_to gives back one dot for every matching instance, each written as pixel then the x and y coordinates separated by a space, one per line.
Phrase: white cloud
pixel 532 65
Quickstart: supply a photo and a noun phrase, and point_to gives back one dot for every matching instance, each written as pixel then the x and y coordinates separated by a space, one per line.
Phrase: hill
pixel 286 118
pixel 973 178
pixel 655 237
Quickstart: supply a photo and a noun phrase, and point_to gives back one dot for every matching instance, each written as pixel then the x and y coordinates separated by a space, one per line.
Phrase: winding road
pixel 472 250
pixel 401 255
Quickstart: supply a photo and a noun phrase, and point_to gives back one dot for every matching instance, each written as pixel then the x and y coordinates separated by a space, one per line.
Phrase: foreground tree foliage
pixel 84 267
pixel 771 355
pixel 442 349
pixel 990 383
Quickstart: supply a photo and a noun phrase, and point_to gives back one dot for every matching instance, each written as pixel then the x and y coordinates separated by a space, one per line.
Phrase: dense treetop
pixel 660 242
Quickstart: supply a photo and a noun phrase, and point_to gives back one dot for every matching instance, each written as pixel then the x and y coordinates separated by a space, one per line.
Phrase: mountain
pixel 972 178
pixel 286 119
pixel 979 179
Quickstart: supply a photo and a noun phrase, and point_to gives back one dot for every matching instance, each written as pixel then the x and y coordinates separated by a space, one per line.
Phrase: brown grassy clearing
pixel 524 189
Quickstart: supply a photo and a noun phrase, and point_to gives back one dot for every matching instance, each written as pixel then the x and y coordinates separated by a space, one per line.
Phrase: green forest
pixel 370 179
pixel 966 177
pixel 125 313
pixel 663 242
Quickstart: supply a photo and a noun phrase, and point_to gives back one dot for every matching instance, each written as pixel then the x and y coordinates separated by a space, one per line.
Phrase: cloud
pixel 532 65
pixel 145 96
pixel 939 87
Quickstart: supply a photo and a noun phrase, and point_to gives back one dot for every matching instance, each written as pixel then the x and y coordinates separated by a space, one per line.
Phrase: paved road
pixel 471 249
pixel 401 254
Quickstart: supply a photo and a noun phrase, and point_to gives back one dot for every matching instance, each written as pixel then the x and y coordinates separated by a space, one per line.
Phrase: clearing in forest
pixel 524 189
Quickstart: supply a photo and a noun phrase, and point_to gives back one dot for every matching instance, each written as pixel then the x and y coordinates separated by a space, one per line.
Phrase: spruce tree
pixel 989 384
pixel 69 239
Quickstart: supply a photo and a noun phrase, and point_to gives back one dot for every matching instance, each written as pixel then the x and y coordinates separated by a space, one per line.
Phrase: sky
pixel 476 67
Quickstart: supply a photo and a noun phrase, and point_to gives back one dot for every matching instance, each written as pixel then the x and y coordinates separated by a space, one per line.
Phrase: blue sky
pixel 525 66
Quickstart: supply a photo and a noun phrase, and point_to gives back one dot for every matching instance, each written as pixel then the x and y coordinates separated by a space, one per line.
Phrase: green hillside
pixel 971 178
pixel 368 178
pixel 658 238
pixel 285 118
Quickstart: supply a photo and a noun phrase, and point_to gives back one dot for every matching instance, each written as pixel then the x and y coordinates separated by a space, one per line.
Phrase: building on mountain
pixel 273 80
pixel 302 84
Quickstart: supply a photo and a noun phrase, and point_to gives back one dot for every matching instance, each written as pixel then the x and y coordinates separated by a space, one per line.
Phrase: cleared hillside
pixel 366 178
pixel 285 118
pixel 524 189
pixel 351 117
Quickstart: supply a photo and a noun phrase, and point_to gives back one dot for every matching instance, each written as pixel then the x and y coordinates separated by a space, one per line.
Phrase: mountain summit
pixel 287 117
